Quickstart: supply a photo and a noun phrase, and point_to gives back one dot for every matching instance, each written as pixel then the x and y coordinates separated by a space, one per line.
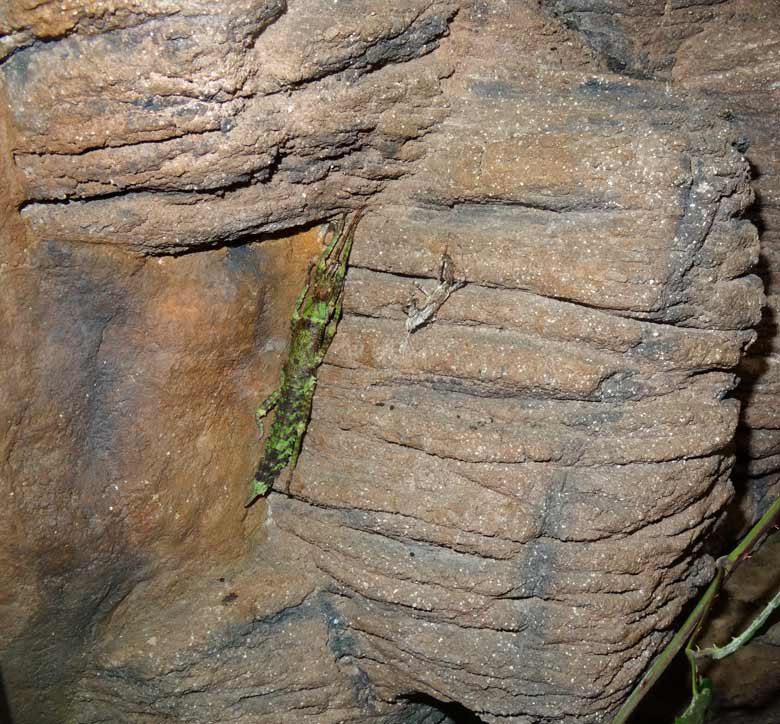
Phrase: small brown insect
pixel 418 316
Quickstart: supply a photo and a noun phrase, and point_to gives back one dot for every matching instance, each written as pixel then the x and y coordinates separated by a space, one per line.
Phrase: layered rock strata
pixel 500 516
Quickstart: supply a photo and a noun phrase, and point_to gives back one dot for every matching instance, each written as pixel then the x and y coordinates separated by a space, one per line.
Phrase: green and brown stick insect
pixel 313 324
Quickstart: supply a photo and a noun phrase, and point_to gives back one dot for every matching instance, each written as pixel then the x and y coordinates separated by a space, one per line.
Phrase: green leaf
pixel 697 709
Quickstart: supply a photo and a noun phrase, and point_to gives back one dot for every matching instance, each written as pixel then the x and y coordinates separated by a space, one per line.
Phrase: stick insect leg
pixel 296 451
pixel 341 243
pixel 406 345
pixel 299 301
pixel 337 231
pixel 330 331
pixel 268 404
pixel 300 429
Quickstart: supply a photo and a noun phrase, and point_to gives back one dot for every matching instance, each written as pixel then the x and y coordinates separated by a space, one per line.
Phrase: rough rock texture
pixel 729 53
pixel 725 51
pixel 750 90
pixel 499 517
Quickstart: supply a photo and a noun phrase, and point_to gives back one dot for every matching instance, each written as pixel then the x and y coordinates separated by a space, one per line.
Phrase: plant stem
pixel 726 566
pixel 721 652
pixel 673 647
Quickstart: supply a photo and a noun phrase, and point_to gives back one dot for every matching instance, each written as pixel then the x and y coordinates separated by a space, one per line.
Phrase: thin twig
pixel 721 652
pixel 726 567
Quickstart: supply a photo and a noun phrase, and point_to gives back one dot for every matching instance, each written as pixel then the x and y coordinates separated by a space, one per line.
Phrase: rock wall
pixel 724 51
pixel 499 517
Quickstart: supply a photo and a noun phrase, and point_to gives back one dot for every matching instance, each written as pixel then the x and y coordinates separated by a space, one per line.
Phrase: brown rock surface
pixel 726 52
pixel 745 80
pixel 503 514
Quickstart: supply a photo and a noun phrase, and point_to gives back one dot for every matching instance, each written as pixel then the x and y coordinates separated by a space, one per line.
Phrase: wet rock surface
pixel 497 518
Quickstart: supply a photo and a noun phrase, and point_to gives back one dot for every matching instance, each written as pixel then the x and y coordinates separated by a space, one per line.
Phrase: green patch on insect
pixel 310 384
pixel 282 446
pixel 257 489
pixel 313 326
pixel 320 313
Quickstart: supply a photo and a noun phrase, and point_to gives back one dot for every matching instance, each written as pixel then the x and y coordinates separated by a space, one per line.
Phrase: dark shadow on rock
pixel 425 709
pixel 669 695
pixel 45 660
pixel 5 707
pixel 749 497
pixel 745 685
